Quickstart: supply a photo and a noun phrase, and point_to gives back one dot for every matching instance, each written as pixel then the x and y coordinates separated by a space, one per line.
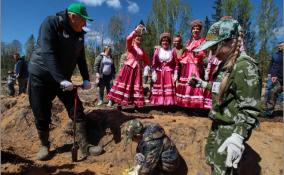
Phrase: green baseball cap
pixel 79 9
pixel 133 127
pixel 219 31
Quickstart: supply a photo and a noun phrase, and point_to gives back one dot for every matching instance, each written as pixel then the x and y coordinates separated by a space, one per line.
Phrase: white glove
pixel 154 76
pixel 86 84
pixel 235 149
pixel 146 71
pixel 135 170
pixel 139 158
pixel 196 82
pixel 66 85
pixel 175 76
pixel 206 76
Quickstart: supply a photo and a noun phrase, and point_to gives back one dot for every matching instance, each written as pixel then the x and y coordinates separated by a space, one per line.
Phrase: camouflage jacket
pixel 240 104
pixel 153 143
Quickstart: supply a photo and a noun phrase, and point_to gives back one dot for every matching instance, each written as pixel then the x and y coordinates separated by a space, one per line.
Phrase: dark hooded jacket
pixel 59 49
pixel 161 154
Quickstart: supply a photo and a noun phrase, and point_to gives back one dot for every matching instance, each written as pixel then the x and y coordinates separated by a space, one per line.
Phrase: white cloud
pixel 132 7
pixel 113 3
pixel 96 37
pixel 110 3
pixel 92 2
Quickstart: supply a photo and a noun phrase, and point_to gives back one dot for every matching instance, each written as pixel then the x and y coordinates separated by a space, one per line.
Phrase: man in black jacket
pixel 60 47
pixel 276 72
pixel 21 72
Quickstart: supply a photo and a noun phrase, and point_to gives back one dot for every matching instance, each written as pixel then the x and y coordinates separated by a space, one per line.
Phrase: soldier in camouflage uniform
pixel 236 91
pixel 156 153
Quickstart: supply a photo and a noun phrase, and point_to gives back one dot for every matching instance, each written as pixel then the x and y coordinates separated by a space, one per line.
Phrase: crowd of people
pixel 169 72
pixel 229 85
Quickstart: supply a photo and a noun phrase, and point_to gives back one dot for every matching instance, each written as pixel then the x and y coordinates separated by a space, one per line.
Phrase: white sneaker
pixel 100 103
pixel 109 103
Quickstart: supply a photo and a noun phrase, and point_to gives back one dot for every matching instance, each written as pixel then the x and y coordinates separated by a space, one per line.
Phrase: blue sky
pixel 21 18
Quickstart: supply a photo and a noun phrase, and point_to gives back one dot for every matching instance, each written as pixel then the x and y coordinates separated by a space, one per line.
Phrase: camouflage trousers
pixel 217 135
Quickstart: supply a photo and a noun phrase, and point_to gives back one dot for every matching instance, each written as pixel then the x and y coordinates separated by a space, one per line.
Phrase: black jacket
pixel 276 66
pixel 59 48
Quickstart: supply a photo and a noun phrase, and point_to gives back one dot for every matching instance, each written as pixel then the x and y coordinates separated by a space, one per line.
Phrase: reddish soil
pixel 187 128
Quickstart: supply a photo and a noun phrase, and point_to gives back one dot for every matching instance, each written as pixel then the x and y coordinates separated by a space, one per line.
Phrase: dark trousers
pixel 104 82
pixel 11 89
pixel 41 94
pixel 275 90
pixel 23 82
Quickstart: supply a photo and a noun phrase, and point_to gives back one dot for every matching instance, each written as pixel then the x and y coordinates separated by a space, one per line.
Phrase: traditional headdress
pixel 167 35
pixel 197 23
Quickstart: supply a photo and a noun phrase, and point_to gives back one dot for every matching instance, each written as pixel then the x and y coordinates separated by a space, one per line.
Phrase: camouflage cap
pixel 133 127
pixel 219 31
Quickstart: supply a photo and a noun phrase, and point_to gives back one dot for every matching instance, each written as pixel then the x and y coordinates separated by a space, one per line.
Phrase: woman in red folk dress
pixel 127 88
pixel 191 65
pixel 164 73
pixel 213 62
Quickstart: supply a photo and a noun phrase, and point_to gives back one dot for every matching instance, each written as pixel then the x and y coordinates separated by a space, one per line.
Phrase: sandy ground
pixel 187 128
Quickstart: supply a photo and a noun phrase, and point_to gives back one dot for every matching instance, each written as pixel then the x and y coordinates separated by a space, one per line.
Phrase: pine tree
pixel 149 40
pixel 266 22
pixel 218 10
pixel 30 44
pixel 206 26
pixel 7 51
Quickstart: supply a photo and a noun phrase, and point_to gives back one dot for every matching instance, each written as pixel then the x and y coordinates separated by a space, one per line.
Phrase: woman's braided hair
pixel 230 61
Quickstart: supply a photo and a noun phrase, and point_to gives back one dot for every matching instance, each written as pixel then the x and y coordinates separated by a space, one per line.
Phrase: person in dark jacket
pixel 276 73
pixel 60 47
pixel 105 73
pixel 156 152
pixel 21 72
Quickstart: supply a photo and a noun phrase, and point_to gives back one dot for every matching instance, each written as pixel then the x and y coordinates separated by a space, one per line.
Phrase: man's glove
pixel 175 76
pixel 196 82
pixel 86 84
pixel 146 71
pixel 235 148
pixel 154 76
pixel 66 85
pixel 139 158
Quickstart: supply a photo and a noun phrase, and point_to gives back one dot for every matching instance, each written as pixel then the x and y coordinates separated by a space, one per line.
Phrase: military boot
pixel 44 148
pixel 85 148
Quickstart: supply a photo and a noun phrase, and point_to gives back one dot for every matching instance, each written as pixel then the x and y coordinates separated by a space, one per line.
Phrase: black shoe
pixel 266 113
pixel 119 107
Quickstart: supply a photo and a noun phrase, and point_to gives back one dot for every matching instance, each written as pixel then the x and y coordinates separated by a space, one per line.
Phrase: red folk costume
pixel 165 66
pixel 191 65
pixel 213 62
pixel 127 88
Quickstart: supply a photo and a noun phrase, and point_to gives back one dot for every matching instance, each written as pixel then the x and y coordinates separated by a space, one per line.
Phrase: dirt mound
pixel 187 128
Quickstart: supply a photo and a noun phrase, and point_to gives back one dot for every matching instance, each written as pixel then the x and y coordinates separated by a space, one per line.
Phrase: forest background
pixel 174 16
